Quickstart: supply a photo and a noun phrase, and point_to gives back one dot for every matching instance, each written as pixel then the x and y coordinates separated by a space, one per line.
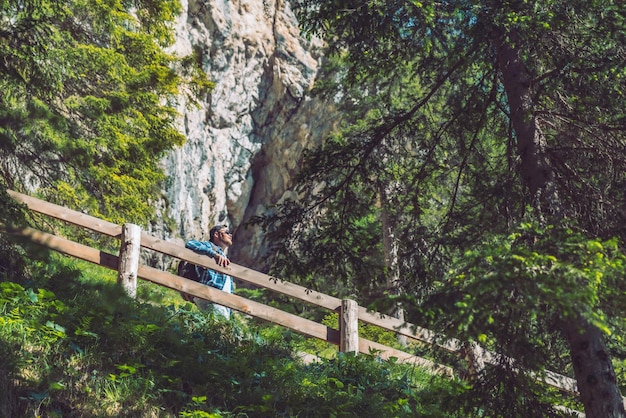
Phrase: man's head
pixel 220 235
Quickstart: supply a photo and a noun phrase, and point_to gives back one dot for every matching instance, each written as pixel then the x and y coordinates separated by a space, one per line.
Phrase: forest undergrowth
pixel 73 345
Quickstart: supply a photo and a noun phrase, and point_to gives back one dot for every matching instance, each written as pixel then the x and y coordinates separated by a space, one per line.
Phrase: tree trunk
pixel 592 366
pixel 387 191
pixel 390 247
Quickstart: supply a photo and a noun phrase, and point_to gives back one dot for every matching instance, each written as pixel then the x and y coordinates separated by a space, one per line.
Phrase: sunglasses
pixel 226 232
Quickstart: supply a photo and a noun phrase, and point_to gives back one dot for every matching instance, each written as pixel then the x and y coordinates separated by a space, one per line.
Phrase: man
pixel 220 238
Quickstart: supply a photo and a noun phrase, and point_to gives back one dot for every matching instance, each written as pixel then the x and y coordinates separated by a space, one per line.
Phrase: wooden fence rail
pixel 256 309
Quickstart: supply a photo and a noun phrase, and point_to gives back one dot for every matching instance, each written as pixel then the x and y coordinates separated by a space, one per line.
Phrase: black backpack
pixel 189 271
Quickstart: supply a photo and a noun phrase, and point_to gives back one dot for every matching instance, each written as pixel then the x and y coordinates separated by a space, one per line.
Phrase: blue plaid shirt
pixel 210 277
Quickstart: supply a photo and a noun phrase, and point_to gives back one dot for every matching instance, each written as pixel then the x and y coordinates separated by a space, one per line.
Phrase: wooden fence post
pixel 349 327
pixel 474 354
pixel 129 259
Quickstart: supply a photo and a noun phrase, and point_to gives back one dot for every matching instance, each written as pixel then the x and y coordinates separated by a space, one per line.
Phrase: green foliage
pixel 88 100
pixel 326 350
pixel 369 332
pixel 87 109
pixel 501 393
pixel 341 245
pixel 435 64
pixel 431 145
pixel 531 281
pixel 74 345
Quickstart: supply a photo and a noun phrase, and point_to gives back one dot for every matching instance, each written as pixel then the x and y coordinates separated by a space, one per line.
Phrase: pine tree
pixel 492 114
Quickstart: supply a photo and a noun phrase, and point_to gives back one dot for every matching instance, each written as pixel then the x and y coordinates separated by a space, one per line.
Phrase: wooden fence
pixel 128 267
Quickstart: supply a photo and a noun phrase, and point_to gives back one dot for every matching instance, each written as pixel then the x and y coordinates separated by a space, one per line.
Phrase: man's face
pixel 225 237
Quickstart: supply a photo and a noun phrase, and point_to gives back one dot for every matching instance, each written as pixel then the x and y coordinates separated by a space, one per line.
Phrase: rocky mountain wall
pixel 245 138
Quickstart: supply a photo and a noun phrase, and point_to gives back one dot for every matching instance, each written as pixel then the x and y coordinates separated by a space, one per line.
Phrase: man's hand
pixel 221 260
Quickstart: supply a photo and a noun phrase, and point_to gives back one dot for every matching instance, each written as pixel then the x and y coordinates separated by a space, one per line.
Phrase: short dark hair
pixel 216 228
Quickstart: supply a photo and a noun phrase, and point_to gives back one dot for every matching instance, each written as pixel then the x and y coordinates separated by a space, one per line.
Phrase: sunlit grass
pixel 146 291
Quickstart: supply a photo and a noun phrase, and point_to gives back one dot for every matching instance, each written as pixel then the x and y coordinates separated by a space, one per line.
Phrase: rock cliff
pixel 245 138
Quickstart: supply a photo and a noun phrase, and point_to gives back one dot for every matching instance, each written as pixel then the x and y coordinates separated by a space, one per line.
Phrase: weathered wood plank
pixel 299 292
pixel 255 309
pixel 68 215
pixel 129 259
pixel 67 247
pixel 240 272
pixel 349 327
pixel 269 282
pixel 304 326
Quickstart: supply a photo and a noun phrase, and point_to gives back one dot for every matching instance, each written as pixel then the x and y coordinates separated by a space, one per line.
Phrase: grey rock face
pixel 245 138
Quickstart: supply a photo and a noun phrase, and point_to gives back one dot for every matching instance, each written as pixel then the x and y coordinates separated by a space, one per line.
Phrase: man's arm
pixel 202 247
pixel 208 248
